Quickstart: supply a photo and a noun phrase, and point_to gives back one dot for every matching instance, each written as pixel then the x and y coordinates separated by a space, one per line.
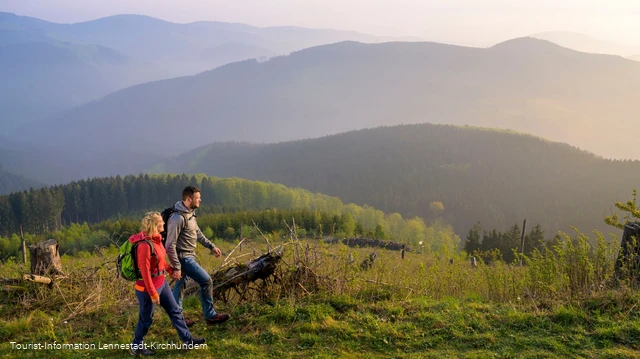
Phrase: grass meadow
pixel 560 303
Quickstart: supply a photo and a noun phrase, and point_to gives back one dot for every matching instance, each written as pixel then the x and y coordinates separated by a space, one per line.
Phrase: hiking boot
pixel 188 344
pixel 218 318
pixel 141 351
pixel 189 322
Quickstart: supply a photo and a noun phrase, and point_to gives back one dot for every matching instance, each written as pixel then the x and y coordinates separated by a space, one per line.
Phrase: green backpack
pixel 127 260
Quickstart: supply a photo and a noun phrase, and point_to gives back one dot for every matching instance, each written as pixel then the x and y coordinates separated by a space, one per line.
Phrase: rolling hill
pixel 10 182
pixel 496 177
pixel 43 78
pixel 177 49
pixel 40 79
pixel 527 85
pixel 48 67
pixel 585 43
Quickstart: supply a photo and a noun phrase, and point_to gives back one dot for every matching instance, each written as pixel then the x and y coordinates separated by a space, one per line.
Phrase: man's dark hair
pixel 189 191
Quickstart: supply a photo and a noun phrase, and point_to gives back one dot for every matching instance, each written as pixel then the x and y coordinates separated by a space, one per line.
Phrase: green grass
pixel 420 307
pixel 324 327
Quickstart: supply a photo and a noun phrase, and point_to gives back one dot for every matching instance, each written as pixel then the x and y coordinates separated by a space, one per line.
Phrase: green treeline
pixel 227 202
pixel 227 226
pixel 486 242
pixel 94 200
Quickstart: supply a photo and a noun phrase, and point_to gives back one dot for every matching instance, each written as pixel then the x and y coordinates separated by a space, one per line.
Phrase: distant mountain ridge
pixel 585 43
pixel 39 79
pixel 528 85
pixel 43 78
pixel 10 182
pixel 58 66
pixel 496 177
pixel 178 48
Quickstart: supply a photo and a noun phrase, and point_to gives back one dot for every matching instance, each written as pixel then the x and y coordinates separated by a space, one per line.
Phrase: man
pixel 183 234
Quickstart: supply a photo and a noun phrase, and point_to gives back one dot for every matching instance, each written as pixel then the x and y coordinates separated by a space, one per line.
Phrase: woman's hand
pixel 176 274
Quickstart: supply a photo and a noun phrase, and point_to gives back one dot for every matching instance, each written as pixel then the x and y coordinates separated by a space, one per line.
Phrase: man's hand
pixel 216 251
pixel 176 274
pixel 155 301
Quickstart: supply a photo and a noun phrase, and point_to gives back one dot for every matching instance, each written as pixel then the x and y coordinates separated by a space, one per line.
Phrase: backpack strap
pixel 184 217
pixel 153 254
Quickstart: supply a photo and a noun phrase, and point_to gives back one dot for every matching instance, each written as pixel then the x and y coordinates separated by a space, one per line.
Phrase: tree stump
pixel 628 262
pixel 367 263
pixel 45 258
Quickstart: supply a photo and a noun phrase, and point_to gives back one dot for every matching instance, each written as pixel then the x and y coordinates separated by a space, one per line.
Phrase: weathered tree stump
pixel 45 258
pixel 628 262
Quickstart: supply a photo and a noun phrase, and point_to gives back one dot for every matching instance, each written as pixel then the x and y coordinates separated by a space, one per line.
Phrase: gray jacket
pixel 182 238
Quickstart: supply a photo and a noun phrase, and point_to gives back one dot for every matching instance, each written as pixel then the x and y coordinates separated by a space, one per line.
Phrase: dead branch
pixel 81 306
pixel 37 278
pixel 99 251
pixel 229 255
pixel 292 234
pixel 259 268
pixel 303 288
pixel 263 236
pixel 12 288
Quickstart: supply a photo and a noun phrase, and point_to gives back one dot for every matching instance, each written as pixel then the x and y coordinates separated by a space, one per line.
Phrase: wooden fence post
pixel 24 246
pixel 524 225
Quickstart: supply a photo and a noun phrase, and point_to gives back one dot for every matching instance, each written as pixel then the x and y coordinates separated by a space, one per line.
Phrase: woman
pixel 153 288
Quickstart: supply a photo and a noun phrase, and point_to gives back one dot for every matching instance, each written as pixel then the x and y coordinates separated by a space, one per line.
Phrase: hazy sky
pixel 466 22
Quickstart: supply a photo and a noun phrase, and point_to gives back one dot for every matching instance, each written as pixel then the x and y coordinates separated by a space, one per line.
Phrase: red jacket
pixel 149 265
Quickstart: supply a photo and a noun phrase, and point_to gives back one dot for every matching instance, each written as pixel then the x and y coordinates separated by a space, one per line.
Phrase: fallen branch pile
pixel 264 276
pixel 370 242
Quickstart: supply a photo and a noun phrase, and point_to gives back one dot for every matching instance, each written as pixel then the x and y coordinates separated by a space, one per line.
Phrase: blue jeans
pixel 190 268
pixel 170 306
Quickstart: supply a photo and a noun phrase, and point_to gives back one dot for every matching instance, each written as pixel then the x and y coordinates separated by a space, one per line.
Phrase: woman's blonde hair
pixel 150 223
